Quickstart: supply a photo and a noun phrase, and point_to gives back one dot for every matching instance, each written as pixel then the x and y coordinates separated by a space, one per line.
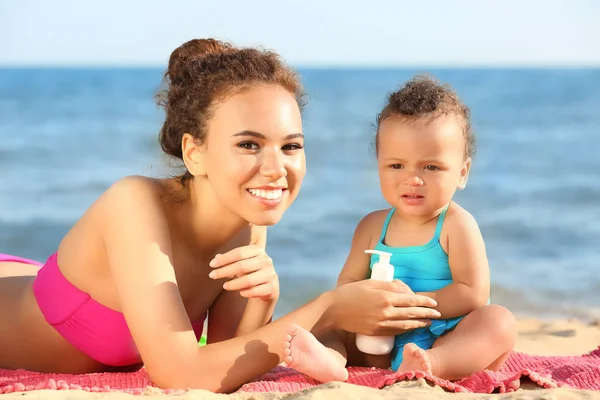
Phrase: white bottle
pixel 382 270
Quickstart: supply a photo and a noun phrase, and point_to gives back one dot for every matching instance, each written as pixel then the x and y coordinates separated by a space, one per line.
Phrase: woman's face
pixel 254 153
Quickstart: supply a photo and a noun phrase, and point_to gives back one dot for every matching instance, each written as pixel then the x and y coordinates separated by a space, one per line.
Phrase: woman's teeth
pixel 267 194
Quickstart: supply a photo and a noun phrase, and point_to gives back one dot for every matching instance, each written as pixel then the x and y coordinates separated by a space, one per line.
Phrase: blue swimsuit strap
pixel 385 224
pixel 440 223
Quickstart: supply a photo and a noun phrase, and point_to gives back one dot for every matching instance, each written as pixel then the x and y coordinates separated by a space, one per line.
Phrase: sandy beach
pixel 556 337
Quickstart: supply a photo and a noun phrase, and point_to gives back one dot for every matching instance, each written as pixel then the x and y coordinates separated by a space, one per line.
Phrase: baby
pixel 424 147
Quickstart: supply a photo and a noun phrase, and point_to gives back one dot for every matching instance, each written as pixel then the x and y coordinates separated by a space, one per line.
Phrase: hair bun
pixel 182 57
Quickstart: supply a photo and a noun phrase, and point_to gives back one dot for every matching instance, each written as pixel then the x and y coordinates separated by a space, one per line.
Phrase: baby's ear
pixel 464 174
pixel 193 155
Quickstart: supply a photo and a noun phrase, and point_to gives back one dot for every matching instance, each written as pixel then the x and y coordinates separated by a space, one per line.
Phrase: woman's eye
pixel 248 145
pixel 292 146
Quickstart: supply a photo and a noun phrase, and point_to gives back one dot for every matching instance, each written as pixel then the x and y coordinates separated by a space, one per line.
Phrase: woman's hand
pixel 250 270
pixel 377 308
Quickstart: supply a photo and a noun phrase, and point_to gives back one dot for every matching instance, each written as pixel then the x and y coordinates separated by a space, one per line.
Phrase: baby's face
pixel 421 163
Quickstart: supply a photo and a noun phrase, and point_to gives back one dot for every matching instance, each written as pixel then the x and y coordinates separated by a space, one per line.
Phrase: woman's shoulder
pixel 132 197
pixel 130 201
pixel 136 189
pixel 137 185
pixel 128 191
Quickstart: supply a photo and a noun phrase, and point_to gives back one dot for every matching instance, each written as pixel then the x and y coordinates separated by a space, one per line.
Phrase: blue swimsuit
pixel 424 269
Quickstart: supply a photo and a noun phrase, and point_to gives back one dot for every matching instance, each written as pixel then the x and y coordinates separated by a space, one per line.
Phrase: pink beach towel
pixel 580 372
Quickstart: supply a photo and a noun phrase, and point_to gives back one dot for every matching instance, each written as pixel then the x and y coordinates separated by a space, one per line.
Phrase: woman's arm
pixel 250 298
pixel 232 315
pixel 470 287
pixel 138 247
pixel 259 311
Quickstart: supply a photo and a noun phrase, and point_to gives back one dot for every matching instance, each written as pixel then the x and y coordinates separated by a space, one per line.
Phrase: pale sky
pixel 305 33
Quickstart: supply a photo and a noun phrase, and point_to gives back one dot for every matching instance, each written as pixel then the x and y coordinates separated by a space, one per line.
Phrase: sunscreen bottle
pixel 382 270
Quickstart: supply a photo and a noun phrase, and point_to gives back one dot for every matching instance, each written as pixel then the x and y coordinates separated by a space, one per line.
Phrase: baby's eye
pixel 396 166
pixel 248 145
pixel 431 168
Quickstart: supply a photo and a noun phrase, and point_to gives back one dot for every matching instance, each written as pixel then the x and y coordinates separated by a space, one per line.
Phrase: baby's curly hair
pixel 425 97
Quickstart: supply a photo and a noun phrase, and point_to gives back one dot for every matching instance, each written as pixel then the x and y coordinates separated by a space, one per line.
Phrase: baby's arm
pixel 356 267
pixel 470 287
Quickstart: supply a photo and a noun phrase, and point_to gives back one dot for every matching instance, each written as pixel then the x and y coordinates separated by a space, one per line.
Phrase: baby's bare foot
pixel 303 352
pixel 414 358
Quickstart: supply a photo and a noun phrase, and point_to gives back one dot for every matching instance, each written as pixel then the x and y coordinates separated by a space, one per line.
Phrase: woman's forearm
pixel 313 316
pixel 225 366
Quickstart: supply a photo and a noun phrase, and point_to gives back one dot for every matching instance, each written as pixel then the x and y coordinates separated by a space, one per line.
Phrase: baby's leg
pixel 482 340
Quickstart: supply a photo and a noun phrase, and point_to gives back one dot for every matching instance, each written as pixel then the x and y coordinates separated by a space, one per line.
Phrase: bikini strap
pixel 385 224
pixel 440 223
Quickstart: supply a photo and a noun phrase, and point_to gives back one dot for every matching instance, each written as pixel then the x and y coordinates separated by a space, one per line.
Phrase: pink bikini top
pixel 94 329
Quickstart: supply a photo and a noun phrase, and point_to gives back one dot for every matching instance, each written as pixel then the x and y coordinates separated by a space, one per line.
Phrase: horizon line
pixel 151 66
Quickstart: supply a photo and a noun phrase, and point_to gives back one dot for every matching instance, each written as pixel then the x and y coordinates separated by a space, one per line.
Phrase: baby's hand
pixel 250 271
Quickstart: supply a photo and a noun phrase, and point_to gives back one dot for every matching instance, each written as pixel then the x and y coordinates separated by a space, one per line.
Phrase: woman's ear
pixel 193 155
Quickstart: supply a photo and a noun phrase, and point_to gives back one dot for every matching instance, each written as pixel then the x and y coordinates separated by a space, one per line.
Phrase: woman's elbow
pixel 186 381
pixel 171 377
pixel 192 375
pixel 180 375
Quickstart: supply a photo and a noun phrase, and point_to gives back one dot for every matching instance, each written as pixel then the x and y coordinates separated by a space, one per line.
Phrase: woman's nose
pixel 273 164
